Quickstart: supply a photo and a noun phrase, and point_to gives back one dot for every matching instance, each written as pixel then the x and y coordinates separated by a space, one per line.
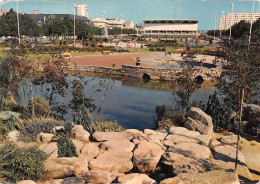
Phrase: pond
pixel 132 103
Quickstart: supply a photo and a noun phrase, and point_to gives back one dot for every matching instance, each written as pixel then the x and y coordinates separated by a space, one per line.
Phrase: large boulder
pixel 211 177
pixel 199 121
pixel 121 144
pixel 183 135
pixel 80 133
pixel 26 182
pixel 90 149
pixel 44 137
pixel 135 178
pixel 229 139
pixel 118 161
pixel 97 176
pixel 136 136
pixel 105 136
pixel 64 167
pixel 180 164
pixel 228 153
pixel 155 136
pixel 251 150
pixel 50 149
pixel 70 180
pixel 191 150
pixel 147 156
pixel 13 136
pixel 79 145
pixel 241 170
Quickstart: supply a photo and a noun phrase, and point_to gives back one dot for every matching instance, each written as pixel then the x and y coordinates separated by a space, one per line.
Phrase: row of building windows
pixel 169 32
pixel 169 36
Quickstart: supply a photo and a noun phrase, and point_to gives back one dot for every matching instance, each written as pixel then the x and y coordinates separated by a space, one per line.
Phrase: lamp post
pixel 74 24
pixel 121 16
pixel 222 18
pixel 215 26
pixel 251 23
pixel 232 6
pixel 18 24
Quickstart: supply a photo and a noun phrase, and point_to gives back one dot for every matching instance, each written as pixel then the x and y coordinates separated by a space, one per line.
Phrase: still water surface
pixel 133 102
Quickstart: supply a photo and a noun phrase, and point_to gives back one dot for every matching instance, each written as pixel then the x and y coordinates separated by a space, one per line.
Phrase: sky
pixel 139 10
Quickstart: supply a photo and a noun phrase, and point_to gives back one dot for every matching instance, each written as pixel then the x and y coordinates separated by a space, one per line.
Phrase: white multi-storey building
pixel 109 23
pixel 81 10
pixel 225 22
pixel 170 29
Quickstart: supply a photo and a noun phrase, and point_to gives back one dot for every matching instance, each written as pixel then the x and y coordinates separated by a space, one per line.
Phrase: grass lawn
pixel 138 49
pixel 85 53
pixel 39 56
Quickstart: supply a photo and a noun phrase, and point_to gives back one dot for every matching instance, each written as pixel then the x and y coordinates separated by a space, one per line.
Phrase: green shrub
pixel 84 118
pixel 158 49
pixel 33 128
pixel 21 163
pixel 161 112
pixel 68 128
pixel 107 126
pixel 151 49
pixel 9 121
pixel 178 117
pixel 253 118
pixel 24 114
pixel 164 124
pixel 41 107
pixel 66 147
pixel 221 114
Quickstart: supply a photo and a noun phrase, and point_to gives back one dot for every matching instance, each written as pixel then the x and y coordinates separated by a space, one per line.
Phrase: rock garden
pixel 181 155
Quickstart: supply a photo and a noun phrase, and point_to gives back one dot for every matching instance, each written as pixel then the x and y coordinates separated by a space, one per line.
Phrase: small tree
pixel 66 148
pixel 84 118
pixel 186 82
pixel 220 113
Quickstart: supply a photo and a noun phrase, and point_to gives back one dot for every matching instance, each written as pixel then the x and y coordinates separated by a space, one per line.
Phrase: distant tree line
pixel 241 29
pixel 8 24
pixel 52 27
pixel 117 31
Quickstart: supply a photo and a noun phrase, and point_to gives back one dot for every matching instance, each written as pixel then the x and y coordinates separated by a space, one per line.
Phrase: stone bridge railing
pixel 149 72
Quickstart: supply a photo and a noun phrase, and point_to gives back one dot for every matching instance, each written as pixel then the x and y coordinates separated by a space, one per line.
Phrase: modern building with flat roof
pixel 41 18
pixel 170 29
pixel 225 22
pixel 107 22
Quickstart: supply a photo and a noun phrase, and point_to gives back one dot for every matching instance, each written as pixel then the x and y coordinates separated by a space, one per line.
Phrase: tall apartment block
pixel 81 10
pixel 225 22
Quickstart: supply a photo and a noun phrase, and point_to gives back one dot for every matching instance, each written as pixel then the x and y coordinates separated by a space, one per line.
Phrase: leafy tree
pixel 241 72
pixel 54 83
pixel 8 76
pixel 117 31
pixel 41 107
pixel 240 29
pixel 186 82
pixel 105 87
pixel 8 24
pixel 78 98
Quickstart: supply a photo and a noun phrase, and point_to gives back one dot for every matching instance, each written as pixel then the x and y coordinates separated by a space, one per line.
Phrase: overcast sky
pixel 139 10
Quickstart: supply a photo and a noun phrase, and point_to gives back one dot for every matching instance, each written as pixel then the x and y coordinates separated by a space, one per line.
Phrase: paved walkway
pixel 148 59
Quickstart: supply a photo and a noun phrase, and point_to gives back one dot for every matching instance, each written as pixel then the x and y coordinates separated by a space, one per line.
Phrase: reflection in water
pixel 134 101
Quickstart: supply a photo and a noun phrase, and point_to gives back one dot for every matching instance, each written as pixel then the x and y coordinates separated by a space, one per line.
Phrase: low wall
pixel 167 74
pixel 152 73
